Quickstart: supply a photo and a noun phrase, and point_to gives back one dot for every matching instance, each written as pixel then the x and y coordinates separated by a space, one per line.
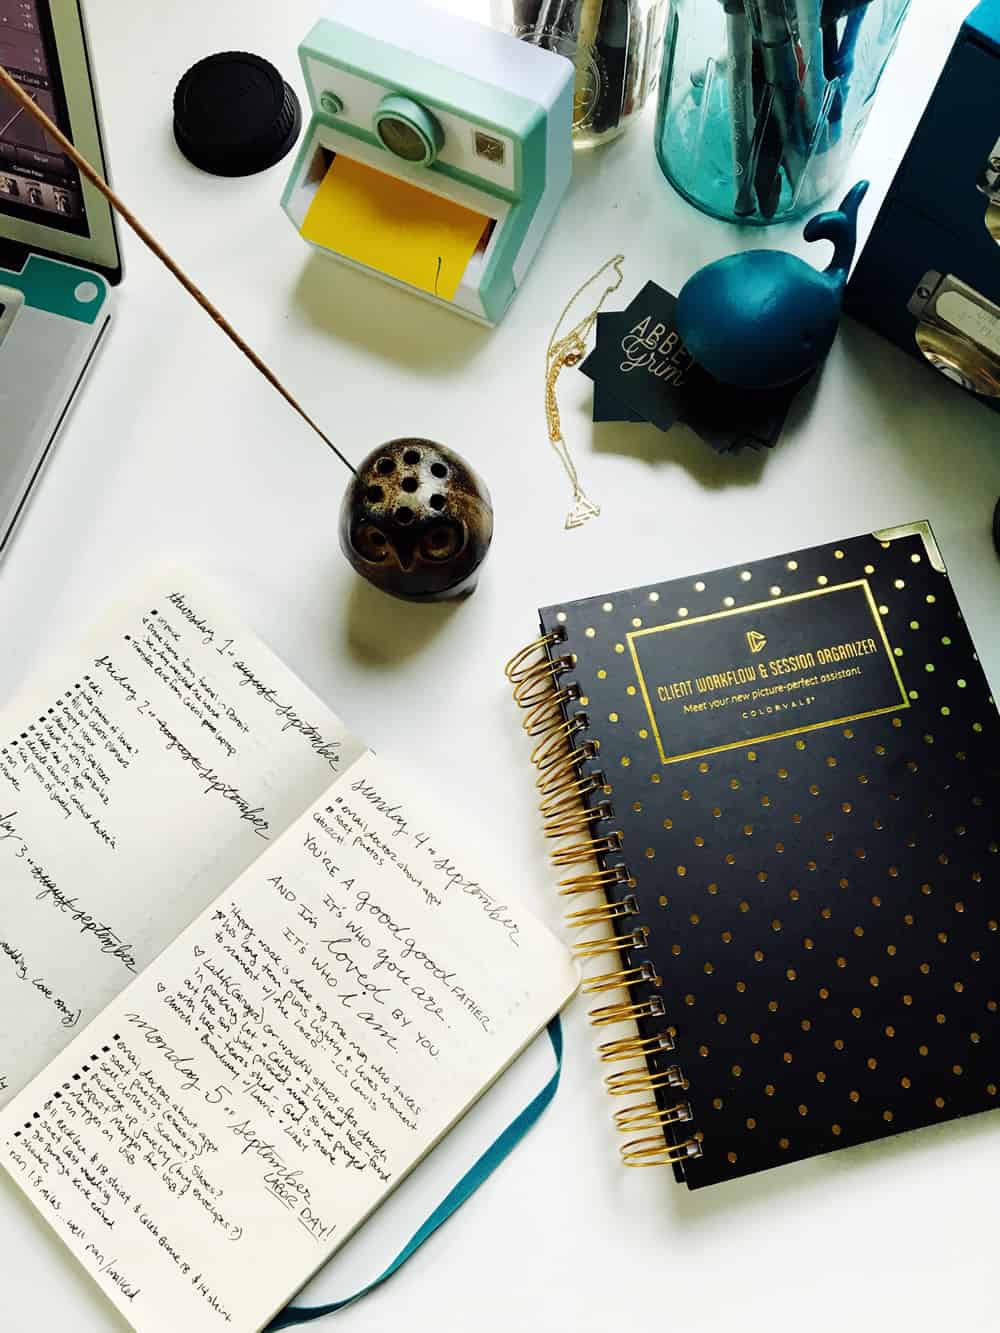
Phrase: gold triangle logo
pixel 756 642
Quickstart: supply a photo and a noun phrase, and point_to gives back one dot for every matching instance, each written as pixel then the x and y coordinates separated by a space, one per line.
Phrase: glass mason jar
pixel 614 44
pixel 762 101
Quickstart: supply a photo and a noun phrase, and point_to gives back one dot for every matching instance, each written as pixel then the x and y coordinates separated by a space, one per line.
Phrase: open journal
pixel 247 980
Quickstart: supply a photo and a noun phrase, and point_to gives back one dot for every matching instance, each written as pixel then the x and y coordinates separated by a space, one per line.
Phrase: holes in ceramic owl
pixel 444 541
pixel 370 543
pixel 417 522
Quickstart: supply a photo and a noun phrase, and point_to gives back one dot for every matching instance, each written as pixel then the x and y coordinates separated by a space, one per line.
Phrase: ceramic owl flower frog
pixel 764 318
pixel 417 521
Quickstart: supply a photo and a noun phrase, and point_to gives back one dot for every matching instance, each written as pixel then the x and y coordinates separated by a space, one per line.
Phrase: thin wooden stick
pixel 99 183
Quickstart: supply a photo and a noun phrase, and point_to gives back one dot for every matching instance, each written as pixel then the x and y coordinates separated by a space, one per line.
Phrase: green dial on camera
pixel 408 130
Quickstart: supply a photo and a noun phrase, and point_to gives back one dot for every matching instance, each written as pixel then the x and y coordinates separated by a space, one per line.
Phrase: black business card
pixel 609 408
pixel 639 357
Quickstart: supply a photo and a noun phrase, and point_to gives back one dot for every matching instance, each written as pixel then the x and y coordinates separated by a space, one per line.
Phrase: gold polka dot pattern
pixel 820 906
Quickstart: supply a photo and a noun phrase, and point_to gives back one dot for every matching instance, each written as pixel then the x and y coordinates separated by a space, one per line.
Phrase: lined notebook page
pixel 139 775
pixel 235 1114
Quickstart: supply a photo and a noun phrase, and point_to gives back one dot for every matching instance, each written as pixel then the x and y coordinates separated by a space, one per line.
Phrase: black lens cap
pixel 234 114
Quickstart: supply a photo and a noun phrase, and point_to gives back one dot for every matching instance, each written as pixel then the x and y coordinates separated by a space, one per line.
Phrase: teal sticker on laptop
pixel 59 255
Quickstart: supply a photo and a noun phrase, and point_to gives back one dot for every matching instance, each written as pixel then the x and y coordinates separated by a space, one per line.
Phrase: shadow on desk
pixel 948 437
pixel 385 322
pixel 857 1167
pixel 383 631
pixel 680 447
pixel 683 447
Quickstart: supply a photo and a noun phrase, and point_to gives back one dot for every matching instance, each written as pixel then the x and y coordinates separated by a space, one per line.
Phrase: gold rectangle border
pixel 759 606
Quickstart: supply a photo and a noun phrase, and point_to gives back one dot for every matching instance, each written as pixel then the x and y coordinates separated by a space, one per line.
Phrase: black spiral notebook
pixel 774 791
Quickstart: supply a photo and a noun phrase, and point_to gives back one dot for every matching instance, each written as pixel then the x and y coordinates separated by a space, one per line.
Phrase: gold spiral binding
pixel 594 879
pixel 564 788
pixel 537 683
pixel 548 714
pixel 596 916
pixel 537 670
pixel 552 748
pixel 565 823
pixel 568 793
pixel 624 1013
pixel 586 851
pixel 629 976
pixel 515 668
pixel 610 944
pixel 649 1115
pixel 552 775
pixel 657 1152
pixel 640 1079
pixel 628 1048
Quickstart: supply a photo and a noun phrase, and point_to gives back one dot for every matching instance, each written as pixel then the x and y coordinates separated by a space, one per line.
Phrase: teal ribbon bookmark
pixel 497 1152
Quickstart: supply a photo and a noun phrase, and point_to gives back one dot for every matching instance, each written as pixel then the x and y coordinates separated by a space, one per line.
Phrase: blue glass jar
pixel 762 101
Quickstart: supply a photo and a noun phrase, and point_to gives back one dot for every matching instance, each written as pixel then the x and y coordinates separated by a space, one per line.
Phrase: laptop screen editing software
pixel 37 182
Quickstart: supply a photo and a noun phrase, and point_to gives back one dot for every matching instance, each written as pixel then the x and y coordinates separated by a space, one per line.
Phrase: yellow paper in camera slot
pixel 394 227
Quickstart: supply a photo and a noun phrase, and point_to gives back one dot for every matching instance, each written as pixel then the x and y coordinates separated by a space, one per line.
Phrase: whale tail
pixel 841 227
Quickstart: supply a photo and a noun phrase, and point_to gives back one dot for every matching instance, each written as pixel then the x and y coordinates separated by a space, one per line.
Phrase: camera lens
pixel 402 139
pixel 408 130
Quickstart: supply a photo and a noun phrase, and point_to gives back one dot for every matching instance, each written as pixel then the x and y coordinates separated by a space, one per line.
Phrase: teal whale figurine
pixel 764 318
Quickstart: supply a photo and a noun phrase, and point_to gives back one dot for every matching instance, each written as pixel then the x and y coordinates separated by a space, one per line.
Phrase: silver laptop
pixel 59 256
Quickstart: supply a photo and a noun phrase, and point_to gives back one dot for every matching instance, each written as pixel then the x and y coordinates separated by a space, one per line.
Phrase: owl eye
pixel 371 543
pixel 442 542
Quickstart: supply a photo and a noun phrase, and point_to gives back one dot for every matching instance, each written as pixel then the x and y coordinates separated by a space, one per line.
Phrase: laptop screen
pixel 36 179
pixel 44 204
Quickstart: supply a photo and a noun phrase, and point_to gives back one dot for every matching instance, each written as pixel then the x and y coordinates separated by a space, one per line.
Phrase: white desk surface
pixel 177 448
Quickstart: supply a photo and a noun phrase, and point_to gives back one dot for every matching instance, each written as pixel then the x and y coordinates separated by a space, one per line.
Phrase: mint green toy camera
pixel 437 154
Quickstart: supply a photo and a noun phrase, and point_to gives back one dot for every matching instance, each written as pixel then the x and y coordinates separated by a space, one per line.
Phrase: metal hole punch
pixel 958 332
pixel 989 185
